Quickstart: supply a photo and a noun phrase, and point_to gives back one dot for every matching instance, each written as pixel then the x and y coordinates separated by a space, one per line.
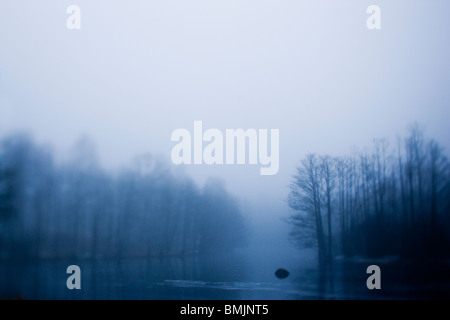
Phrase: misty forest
pixel 78 210
pixel 388 204
pixel 393 200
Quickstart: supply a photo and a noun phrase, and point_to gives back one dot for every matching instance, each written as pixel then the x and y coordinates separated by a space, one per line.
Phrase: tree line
pixel 393 199
pixel 77 209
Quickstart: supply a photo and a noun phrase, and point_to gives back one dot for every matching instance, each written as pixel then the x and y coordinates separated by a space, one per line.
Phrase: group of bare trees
pixel 76 209
pixel 391 200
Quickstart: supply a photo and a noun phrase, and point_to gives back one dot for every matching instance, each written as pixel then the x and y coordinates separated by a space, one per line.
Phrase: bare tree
pixel 305 198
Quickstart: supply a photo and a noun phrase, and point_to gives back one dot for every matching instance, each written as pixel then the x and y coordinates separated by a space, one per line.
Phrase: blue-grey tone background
pixel 137 70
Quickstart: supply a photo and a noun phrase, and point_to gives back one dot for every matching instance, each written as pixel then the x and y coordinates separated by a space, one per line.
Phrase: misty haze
pixel 313 147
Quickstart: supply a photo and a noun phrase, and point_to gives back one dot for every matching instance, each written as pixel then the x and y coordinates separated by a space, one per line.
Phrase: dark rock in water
pixel 282 273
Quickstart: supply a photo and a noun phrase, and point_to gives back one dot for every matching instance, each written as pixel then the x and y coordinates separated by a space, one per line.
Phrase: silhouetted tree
pixel 306 198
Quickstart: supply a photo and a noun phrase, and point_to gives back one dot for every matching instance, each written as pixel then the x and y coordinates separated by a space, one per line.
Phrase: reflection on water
pixel 217 278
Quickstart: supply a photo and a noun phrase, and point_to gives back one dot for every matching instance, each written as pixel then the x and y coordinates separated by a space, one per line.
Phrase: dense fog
pixel 76 209
pixel 96 97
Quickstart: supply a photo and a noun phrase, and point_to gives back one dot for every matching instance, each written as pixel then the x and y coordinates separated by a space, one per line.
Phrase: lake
pixel 227 277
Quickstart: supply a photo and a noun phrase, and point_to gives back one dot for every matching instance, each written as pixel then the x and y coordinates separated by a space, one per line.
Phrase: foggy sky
pixel 137 70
